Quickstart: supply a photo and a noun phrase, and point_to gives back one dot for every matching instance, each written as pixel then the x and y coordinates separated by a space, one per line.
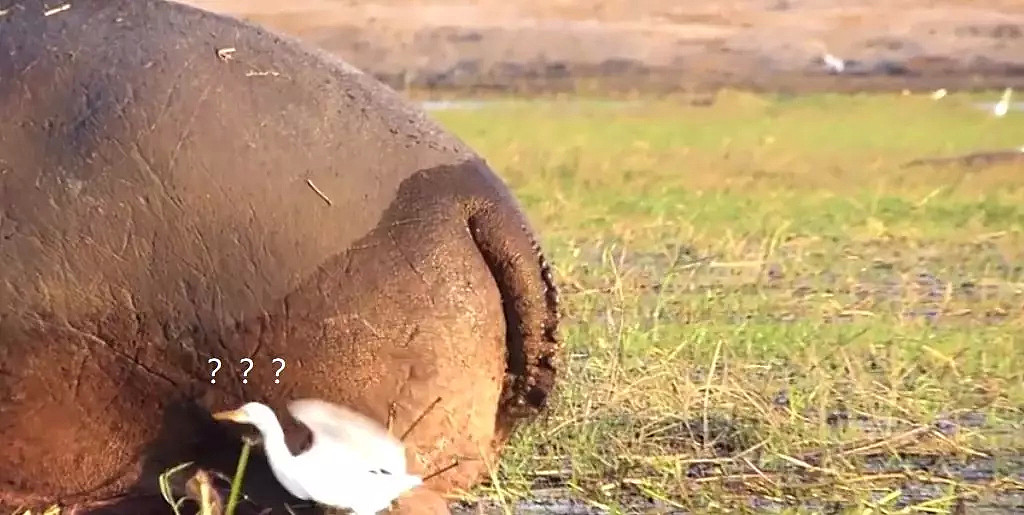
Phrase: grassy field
pixel 764 310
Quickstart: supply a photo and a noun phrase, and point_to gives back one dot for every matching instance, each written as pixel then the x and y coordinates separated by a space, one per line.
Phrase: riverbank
pixel 658 46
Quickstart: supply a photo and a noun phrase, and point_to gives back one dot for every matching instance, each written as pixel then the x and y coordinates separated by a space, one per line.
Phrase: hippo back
pixel 155 142
pixel 168 173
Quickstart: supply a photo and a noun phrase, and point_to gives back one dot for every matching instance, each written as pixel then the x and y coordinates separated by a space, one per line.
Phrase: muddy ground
pixel 660 45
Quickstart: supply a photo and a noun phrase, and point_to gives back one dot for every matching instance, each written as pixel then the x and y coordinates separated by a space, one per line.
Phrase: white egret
pixel 352 463
pixel 833 63
pixel 939 93
pixel 1003 106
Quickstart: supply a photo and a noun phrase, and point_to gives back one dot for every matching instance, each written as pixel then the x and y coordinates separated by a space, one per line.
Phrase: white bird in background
pixel 939 93
pixel 352 463
pixel 1003 106
pixel 833 63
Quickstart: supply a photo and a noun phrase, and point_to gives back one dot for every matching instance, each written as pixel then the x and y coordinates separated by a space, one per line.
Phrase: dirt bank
pixel 659 45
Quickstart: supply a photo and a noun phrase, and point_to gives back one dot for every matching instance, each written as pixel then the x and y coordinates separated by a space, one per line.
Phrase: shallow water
pixel 558 499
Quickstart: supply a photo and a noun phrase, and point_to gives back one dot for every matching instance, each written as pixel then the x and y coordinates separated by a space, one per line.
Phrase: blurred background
pixel 659 45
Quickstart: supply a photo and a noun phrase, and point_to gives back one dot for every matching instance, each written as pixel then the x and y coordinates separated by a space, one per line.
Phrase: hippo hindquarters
pixel 441 321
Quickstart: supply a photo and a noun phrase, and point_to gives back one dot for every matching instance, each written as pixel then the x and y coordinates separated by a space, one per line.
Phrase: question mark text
pixel 213 374
pixel 246 373
pixel 278 373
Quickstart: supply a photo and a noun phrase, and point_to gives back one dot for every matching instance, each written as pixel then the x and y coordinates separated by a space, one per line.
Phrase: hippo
pixel 181 192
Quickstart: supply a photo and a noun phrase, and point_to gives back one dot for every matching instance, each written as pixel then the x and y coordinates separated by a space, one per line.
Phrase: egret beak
pixel 235 415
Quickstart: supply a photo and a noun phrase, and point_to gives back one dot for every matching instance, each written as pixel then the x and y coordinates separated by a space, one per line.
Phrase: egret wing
pixel 341 431
pixel 352 485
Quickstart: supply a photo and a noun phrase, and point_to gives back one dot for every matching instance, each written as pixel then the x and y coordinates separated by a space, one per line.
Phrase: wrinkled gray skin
pixel 155 212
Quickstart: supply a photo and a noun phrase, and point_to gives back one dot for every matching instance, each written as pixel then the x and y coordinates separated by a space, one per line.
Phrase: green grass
pixel 763 308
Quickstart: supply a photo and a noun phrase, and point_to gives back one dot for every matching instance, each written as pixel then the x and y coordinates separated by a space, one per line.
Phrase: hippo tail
pixel 529 302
